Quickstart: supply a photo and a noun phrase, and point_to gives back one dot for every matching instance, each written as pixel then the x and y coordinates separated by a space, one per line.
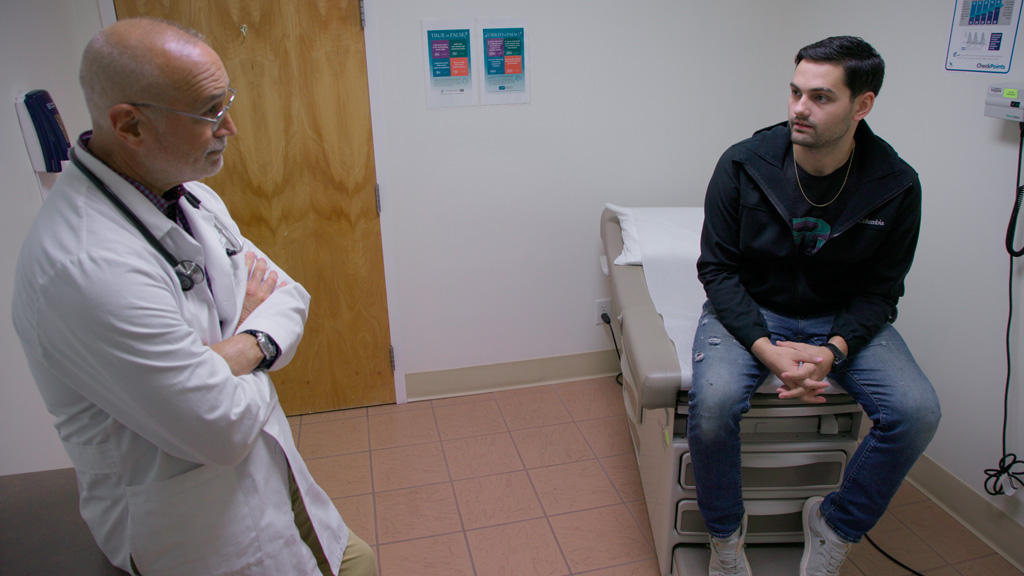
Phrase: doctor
pixel 158 380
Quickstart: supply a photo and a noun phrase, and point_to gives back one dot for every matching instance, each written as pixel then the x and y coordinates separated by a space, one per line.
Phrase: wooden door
pixel 299 179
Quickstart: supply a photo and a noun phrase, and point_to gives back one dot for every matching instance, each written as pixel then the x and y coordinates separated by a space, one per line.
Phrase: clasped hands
pixel 801 367
pixel 240 351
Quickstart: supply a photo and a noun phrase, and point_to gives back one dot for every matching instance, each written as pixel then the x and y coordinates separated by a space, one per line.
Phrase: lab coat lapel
pixel 153 220
pixel 226 274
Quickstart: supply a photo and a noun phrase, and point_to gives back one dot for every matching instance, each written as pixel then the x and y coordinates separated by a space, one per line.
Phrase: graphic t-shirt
pixel 812 225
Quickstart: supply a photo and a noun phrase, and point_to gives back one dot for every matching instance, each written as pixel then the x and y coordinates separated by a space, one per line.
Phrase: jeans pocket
pixel 196 523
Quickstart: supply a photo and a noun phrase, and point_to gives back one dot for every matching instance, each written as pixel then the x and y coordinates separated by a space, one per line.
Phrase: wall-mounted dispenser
pixel 43 130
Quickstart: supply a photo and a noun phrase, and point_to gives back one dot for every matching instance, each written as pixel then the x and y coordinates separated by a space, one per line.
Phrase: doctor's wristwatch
pixel 267 346
pixel 840 361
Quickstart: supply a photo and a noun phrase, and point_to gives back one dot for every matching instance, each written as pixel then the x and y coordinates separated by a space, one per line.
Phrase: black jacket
pixel 749 258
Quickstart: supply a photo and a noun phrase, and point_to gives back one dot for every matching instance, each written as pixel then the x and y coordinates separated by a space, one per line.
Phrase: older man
pixel 149 325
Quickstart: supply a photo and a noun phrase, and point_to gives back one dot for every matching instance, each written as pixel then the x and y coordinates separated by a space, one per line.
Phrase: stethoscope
pixel 188 272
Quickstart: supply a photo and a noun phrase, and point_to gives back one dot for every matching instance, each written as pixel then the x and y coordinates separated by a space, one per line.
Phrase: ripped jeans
pixel 884 379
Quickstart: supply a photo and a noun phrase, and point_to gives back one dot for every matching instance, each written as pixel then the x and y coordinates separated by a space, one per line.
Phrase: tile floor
pixel 542 481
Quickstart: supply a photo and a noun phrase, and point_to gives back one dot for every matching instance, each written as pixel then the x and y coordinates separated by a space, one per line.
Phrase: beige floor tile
pixel 600 538
pixel 402 428
pixel 589 399
pixel 899 541
pixel 481 455
pixel 357 511
pixel 551 445
pixel 993 565
pixel 416 513
pixel 445 555
pixel 392 408
pixel 408 466
pixel 944 571
pixel 468 399
pixel 532 410
pixel 524 391
pixel 500 499
pixel 333 437
pixel 850 569
pixel 608 436
pixel 640 515
pixel 341 476
pixel 907 494
pixel 645 568
pixel 625 475
pixel 473 419
pixel 333 415
pixel 441 488
pixel 573 487
pixel 521 549
pixel 949 538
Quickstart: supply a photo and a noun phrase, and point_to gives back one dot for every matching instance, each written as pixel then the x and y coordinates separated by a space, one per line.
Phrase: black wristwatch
pixel 267 346
pixel 841 361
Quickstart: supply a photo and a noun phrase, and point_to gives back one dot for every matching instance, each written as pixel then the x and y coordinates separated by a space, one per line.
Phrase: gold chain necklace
pixel 796 170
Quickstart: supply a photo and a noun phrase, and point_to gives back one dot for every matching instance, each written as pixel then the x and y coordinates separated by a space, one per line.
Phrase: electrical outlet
pixel 603 306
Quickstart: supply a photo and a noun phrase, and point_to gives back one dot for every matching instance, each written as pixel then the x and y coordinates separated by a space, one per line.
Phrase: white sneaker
pixel 727 555
pixel 824 551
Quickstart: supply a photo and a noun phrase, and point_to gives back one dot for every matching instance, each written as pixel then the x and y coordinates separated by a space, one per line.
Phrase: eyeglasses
pixel 215 120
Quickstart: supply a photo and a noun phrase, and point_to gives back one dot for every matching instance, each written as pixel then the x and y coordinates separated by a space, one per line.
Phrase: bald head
pixel 152 89
pixel 137 60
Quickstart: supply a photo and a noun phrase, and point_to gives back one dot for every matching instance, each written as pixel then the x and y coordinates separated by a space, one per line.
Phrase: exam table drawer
pixel 777 520
pixel 780 471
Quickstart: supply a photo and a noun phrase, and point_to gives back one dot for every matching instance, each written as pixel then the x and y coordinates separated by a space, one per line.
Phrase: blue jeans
pixel 882 377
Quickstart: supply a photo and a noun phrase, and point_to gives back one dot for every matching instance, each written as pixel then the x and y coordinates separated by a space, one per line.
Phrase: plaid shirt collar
pixel 165 203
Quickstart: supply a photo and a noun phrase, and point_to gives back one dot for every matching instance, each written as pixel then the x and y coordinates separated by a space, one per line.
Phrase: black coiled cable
pixel 1010 467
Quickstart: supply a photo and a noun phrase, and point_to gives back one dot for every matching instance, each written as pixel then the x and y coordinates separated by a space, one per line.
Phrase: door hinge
pixel 362 13
pixel 391 352
pixel 376 192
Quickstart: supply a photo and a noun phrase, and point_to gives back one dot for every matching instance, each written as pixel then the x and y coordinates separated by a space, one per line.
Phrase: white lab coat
pixel 180 464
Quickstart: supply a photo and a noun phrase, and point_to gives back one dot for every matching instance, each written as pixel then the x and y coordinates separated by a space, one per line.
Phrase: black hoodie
pixel 750 259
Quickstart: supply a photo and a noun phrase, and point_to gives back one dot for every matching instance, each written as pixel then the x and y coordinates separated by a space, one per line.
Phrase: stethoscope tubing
pixel 187 271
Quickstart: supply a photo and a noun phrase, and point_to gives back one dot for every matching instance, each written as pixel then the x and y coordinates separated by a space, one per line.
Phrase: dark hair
pixel 863 66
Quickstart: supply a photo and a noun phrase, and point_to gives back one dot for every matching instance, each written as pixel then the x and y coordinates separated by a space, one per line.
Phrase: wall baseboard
pixel 509 375
pixel 993 526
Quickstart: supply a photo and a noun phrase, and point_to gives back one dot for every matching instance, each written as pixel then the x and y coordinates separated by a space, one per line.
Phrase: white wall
pixel 494 210
pixel 492 213
pixel 41 44
pixel 954 313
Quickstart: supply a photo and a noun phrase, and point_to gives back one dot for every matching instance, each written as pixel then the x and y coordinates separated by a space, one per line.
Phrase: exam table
pixel 791 450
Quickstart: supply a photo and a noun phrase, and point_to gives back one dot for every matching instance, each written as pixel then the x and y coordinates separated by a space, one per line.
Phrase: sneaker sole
pixel 808 505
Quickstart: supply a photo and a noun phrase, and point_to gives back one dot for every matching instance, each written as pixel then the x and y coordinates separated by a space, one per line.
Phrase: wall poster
pixel 506 68
pixel 983 35
pixel 449 63
pixel 471 61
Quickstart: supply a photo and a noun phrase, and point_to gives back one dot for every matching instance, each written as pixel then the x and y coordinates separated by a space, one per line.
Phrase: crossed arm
pixel 240 351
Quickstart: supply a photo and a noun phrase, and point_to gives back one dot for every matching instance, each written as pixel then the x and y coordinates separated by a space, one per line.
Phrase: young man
pixel 810 228
pixel 156 372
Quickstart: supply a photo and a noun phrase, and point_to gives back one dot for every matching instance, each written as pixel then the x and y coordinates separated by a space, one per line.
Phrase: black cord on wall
pixel 607 320
pixel 1010 467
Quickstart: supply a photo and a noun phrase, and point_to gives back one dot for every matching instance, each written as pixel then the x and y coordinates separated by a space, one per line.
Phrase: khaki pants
pixel 358 559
